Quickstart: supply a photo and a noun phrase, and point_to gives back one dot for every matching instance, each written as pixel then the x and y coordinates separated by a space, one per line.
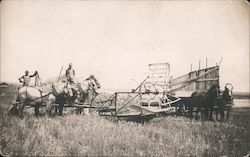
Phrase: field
pixel 92 135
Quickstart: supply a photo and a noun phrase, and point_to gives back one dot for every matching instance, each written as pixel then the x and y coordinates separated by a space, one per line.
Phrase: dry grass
pixel 82 135
pixel 75 135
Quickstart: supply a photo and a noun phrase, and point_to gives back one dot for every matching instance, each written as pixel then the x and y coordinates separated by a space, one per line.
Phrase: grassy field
pixel 92 135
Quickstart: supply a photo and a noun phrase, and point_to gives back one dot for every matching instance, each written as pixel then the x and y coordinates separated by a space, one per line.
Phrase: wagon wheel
pixel 182 109
pixel 13 109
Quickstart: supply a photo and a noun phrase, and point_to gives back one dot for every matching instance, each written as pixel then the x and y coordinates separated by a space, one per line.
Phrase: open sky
pixel 116 40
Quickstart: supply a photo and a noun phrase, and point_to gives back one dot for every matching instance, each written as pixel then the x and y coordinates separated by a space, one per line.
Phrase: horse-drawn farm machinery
pixel 158 94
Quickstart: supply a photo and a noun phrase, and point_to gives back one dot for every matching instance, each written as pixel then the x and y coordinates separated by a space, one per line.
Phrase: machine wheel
pixel 13 110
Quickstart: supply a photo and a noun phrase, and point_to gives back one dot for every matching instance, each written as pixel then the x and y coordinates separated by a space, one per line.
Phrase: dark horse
pixel 204 102
pixel 224 102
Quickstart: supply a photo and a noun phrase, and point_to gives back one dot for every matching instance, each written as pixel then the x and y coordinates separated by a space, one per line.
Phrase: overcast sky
pixel 117 40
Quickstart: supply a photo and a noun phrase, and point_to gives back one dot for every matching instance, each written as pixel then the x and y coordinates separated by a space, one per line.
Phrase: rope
pixel 39 79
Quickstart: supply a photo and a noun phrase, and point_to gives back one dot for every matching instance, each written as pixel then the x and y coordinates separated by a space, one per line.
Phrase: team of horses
pixel 206 103
pixel 60 93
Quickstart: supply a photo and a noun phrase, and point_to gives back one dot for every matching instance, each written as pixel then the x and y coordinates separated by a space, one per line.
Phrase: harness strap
pixel 38 98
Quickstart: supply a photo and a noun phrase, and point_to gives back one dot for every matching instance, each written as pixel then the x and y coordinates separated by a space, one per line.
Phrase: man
pixel 70 74
pixel 25 79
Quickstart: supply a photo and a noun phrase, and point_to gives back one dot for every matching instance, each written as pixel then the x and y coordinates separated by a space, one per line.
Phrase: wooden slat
pixel 186 82
pixel 208 79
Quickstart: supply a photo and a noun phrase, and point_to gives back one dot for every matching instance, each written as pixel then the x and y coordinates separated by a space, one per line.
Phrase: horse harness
pixel 29 101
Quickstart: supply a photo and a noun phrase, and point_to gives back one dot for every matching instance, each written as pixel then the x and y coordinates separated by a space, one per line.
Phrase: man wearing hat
pixel 25 79
pixel 70 74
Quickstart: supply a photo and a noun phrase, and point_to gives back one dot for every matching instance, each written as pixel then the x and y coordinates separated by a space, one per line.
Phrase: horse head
pixel 88 88
pixel 93 82
pixel 60 90
pixel 54 89
pixel 214 91
pixel 228 92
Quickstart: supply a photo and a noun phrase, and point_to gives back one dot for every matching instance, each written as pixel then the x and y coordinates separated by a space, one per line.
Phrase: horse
pixel 224 101
pixel 62 94
pixel 204 101
pixel 80 91
pixel 32 96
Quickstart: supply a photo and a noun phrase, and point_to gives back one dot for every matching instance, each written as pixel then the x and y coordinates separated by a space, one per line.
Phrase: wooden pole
pixel 115 101
pixel 220 60
pixel 199 65
pixel 59 74
pixel 206 63
pixel 205 83
pixel 197 83
pixel 191 67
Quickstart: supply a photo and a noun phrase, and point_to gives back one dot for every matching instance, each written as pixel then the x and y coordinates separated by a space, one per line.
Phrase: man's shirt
pixel 70 73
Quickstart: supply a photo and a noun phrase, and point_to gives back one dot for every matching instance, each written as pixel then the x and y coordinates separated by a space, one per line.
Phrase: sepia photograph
pixel 164 78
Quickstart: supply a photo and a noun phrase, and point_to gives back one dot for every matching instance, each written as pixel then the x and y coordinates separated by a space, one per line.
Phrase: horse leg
pixel 197 112
pixel 191 112
pixel 79 110
pixel 228 112
pixel 222 114
pixel 56 110
pixel 48 109
pixel 21 107
pixel 222 110
pixel 217 107
pixel 37 109
pixel 211 108
pixel 217 112
pixel 61 109
pixel 202 113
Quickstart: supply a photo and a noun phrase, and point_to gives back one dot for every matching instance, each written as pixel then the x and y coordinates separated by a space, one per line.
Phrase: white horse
pixel 81 91
pixel 32 96
pixel 88 87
